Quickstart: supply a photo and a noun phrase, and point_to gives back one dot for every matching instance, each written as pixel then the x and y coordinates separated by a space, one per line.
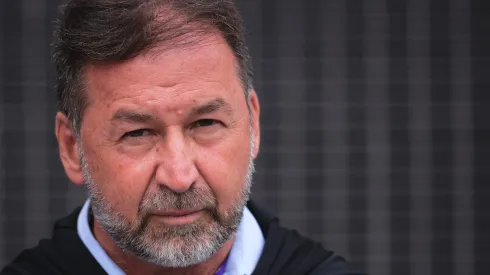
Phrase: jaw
pixel 134 265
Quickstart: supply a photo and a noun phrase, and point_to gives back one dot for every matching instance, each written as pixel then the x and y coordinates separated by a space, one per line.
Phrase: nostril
pixel 176 175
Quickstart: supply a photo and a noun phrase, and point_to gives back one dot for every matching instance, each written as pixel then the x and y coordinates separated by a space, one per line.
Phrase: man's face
pixel 167 151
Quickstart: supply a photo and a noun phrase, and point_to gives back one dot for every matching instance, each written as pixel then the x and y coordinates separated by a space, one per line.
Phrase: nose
pixel 176 169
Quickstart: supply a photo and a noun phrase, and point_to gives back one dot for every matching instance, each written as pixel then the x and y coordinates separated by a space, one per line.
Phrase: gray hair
pixel 117 30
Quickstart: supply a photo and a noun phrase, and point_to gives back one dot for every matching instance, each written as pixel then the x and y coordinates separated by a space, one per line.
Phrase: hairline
pixel 153 51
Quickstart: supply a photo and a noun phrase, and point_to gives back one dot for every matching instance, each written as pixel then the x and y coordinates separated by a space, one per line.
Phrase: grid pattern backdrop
pixel 375 128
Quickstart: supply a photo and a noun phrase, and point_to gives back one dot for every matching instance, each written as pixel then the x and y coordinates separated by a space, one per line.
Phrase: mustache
pixel 165 199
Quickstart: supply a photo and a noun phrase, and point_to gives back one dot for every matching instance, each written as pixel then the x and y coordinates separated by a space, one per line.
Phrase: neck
pixel 134 265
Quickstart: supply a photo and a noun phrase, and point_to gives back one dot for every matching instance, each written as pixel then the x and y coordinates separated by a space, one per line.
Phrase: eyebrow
pixel 211 107
pixel 207 108
pixel 131 116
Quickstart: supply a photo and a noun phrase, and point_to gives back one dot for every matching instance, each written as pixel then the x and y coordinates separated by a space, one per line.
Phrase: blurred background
pixel 375 128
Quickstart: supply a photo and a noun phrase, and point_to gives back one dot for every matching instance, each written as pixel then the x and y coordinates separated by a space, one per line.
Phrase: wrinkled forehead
pixel 205 70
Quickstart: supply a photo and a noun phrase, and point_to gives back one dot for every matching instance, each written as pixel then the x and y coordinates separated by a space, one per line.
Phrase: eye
pixel 137 133
pixel 204 123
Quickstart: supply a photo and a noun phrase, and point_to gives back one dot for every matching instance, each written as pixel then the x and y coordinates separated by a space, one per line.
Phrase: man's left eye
pixel 137 133
pixel 204 123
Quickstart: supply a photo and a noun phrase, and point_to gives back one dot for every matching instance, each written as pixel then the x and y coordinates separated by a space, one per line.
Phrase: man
pixel 159 119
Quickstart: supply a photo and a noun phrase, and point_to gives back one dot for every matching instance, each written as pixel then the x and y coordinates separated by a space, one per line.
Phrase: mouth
pixel 180 217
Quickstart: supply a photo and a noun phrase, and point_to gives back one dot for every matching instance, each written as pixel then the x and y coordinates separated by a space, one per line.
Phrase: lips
pixel 180 217
pixel 176 213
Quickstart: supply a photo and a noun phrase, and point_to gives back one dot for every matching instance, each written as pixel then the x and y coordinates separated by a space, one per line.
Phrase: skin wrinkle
pixel 165 25
pixel 214 107
pixel 116 129
pixel 125 178
pixel 208 41
pixel 107 130
pixel 95 193
pixel 162 95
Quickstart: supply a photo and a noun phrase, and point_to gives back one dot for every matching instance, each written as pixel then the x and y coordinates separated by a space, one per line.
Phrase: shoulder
pixel 37 260
pixel 63 253
pixel 288 252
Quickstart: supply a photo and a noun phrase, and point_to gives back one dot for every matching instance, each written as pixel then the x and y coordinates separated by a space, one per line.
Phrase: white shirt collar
pixel 242 260
pixel 247 248
pixel 85 233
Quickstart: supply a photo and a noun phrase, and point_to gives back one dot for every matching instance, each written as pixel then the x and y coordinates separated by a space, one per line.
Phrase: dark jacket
pixel 285 252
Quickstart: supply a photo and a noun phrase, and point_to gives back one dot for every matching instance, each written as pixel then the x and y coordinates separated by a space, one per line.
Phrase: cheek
pixel 224 168
pixel 122 180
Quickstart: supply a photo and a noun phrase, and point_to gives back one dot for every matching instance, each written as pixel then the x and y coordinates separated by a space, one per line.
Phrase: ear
pixel 68 148
pixel 255 109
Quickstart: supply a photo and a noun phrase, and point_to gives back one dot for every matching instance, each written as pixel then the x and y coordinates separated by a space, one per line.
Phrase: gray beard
pixel 169 246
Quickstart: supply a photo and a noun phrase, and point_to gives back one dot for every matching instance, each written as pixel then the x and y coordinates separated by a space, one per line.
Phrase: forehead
pixel 205 69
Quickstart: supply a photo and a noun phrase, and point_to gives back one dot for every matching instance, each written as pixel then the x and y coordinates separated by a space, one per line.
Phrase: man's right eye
pixel 137 133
